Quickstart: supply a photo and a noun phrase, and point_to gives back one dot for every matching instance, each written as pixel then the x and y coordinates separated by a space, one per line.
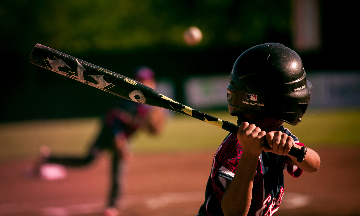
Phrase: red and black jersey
pixel 268 186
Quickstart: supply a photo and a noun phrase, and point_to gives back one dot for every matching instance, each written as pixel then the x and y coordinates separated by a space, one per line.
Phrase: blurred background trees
pixel 120 35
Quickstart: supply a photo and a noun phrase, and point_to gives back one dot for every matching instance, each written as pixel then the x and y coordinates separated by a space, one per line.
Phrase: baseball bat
pixel 123 86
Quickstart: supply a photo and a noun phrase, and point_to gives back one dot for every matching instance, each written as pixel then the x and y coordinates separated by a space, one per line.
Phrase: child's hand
pixel 251 138
pixel 279 143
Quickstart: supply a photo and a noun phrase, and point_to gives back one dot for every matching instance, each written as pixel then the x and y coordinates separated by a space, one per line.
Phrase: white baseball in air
pixel 192 36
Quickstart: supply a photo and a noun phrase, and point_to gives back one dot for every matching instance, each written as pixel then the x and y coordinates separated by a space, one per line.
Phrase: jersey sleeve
pixel 225 161
pixel 293 170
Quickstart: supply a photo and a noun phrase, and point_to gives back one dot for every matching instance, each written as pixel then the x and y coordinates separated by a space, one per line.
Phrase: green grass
pixel 329 128
pixel 185 134
pixel 24 139
pixel 182 134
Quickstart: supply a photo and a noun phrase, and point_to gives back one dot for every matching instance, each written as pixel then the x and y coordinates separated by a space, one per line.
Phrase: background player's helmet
pixel 269 80
pixel 146 76
pixel 143 73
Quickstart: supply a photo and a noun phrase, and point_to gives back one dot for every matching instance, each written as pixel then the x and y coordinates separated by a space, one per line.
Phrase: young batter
pixel 119 124
pixel 267 87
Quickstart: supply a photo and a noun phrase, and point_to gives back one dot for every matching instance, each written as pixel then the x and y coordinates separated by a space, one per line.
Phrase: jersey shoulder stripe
pixel 288 132
pixel 225 173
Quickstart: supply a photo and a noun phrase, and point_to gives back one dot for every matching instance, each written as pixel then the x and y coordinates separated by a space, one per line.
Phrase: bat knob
pixel 298 153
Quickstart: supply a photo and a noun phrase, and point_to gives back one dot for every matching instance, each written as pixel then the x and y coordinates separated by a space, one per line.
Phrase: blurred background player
pixel 119 124
pixel 268 87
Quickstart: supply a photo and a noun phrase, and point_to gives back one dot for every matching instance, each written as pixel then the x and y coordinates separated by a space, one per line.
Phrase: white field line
pixel 294 200
pixel 77 206
pixel 170 198
pixel 76 209
pixel 37 206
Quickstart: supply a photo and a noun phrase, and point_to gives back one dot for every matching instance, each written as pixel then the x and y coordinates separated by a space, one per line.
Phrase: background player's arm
pixel 156 120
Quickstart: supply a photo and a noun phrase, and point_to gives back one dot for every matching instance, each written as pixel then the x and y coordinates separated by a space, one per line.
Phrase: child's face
pixel 264 123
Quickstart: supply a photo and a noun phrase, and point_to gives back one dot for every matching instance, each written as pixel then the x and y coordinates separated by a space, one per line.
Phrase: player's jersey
pixel 268 185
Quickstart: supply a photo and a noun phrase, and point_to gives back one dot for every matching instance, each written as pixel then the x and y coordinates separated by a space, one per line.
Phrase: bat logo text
pixel 100 82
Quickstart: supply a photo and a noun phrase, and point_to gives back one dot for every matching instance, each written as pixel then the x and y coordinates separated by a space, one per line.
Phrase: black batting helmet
pixel 269 80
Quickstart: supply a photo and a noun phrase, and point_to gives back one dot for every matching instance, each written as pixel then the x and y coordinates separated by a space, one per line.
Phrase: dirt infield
pixel 173 184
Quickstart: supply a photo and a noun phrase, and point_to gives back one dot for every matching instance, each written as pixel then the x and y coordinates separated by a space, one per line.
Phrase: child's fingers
pixel 289 144
pixel 249 130
pixel 261 134
pixel 256 132
pixel 242 126
pixel 269 137
pixel 279 143
pixel 282 144
pixel 251 138
pixel 274 139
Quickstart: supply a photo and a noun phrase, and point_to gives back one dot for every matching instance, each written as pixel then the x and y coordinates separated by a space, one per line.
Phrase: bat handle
pixel 298 153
